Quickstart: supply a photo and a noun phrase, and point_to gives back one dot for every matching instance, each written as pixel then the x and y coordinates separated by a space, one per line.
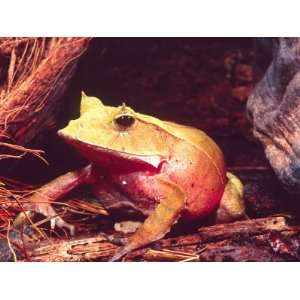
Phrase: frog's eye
pixel 124 121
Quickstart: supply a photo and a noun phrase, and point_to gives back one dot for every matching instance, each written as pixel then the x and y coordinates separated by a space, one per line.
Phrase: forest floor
pixel 201 82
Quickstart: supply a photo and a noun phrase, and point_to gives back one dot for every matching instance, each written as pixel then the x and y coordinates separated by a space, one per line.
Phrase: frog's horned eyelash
pixel 123 107
pixel 124 110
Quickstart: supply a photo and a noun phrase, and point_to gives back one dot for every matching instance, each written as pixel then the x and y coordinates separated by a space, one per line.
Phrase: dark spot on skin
pixel 192 185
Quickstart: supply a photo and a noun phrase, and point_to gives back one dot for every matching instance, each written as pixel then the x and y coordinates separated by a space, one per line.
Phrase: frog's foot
pixel 48 211
pixel 60 223
pixel 124 227
pixel 159 222
pixel 232 206
pixel 121 252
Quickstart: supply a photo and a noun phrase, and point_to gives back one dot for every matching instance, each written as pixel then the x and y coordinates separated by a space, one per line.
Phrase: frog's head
pixel 106 131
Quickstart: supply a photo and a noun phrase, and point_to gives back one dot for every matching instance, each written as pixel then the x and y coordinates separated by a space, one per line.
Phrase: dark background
pixel 187 80
pixel 201 82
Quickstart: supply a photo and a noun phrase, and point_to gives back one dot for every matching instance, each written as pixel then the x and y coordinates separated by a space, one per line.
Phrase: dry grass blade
pixel 46 67
pixel 23 150
pixel 81 206
pixel 7 44
pixel 11 69
pixel 169 255
pixel 34 74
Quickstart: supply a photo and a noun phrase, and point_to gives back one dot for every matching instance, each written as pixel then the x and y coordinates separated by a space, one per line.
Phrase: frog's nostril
pixel 125 121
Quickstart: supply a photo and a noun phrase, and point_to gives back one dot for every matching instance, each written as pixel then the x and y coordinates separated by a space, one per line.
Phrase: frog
pixel 138 163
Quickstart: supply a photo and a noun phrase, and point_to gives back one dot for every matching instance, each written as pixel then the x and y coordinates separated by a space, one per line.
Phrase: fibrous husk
pixel 34 74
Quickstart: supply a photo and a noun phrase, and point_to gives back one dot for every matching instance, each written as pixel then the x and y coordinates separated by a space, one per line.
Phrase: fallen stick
pixel 266 239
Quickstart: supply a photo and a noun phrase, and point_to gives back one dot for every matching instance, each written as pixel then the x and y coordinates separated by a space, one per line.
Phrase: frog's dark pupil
pixel 125 121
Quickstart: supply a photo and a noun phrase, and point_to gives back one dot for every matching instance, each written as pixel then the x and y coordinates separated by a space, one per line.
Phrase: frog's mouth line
pixel 92 152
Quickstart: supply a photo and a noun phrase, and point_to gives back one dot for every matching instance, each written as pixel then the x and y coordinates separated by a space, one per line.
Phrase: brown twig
pixel 242 241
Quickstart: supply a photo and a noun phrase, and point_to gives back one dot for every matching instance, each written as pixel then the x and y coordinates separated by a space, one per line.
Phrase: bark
pixel 266 239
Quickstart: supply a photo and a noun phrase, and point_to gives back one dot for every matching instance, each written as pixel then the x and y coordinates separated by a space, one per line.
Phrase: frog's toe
pixel 60 223
pixel 120 253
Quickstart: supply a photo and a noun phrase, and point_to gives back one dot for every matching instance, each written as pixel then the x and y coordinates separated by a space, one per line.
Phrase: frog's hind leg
pixel 159 222
pixel 232 206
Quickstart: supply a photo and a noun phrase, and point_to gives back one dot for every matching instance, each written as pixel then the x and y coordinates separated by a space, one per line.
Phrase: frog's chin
pixel 112 158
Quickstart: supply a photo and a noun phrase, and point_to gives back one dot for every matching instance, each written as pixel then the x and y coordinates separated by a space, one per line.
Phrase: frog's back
pixel 196 137
pixel 199 139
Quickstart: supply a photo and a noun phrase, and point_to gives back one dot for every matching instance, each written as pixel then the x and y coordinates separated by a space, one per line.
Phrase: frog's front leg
pixel 232 206
pixel 159 222
pixel 41 200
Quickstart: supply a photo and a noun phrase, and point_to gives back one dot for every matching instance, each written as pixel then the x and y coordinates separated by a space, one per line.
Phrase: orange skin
pixel 161 169
pixel 201 178
pixel 186 167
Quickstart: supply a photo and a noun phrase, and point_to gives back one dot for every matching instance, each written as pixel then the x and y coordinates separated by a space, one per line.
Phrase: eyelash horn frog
pixel 163 170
